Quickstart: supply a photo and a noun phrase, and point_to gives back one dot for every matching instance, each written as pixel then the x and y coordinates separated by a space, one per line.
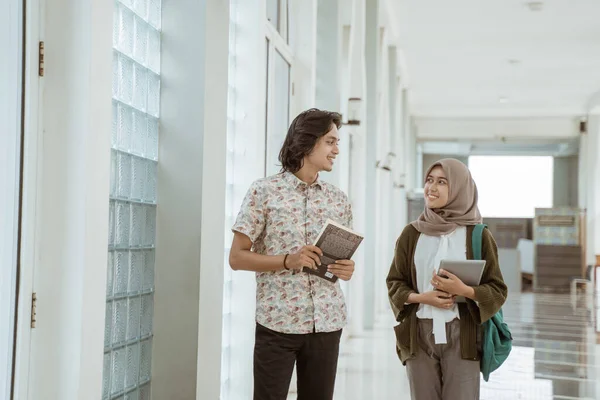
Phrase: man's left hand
pixel 343 269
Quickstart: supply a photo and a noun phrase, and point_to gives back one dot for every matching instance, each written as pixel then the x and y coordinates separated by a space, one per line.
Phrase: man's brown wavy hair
pixel 304 132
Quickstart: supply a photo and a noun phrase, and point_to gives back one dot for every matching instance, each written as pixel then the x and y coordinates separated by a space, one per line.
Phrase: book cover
pixel 337 243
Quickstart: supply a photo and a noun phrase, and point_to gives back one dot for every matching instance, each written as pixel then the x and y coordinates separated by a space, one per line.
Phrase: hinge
pixel 293 89
pixel 33 309
pixel 41 59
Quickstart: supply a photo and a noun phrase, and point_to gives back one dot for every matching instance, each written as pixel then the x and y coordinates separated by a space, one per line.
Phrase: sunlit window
pixel 511 186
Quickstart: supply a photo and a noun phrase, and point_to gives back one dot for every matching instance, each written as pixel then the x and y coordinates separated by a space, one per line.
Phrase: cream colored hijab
pixel 461 209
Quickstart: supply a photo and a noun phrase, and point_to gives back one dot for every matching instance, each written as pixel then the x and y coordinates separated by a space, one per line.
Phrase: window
pixel 239 288
pixel 132 225
pixel 277 15
pixel 511 186
pixel 278 84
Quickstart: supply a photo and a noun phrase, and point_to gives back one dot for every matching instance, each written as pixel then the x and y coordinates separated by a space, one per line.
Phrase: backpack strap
pixel 477 239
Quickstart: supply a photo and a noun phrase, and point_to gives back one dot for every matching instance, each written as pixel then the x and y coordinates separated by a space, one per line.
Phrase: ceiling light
pixel 514 61
pixel 535 5
pixel 502 100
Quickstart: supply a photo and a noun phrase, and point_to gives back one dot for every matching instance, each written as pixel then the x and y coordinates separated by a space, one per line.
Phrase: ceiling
pixel 556 148
pixel 498 58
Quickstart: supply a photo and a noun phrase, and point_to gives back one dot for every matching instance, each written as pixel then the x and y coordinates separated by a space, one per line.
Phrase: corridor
pixel 555 355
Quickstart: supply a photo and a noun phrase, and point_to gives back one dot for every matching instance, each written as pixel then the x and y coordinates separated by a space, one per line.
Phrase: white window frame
pixel 11 46
pixel 280 44
pixel 283 8
pixel 32 186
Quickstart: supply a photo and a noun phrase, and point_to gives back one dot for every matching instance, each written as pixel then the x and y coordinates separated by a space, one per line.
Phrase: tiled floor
pixel 555 355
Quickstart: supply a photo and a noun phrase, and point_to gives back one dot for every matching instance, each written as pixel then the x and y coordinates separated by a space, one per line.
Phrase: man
pixel 299 316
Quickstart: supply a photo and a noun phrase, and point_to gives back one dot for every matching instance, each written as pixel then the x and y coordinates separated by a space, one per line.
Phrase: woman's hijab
pixel 461 209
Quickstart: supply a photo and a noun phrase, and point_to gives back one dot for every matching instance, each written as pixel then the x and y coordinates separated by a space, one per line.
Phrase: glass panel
pixel 141 8
pixel 126 31
pixel 119 360
pixel 108 324
pixel 154 50
pixel 125 82
pixel 133 318
pixel 153 94
pixel 135 395
pixel 267 99
pixel 145 360
pixel 122 222
pixel 132 222
pixel 148 279
pixel 133 366
pixel 145 392
pixel 146 315
pixel 152 139
pixel 119 321
pixel 154 13
pixel 124 127
pixel 110 274
pixel 273 12
pixel 138 178
pixel 140 44
pixel 106 377
pixel 135 273
pixel 140 132
pixel 121 272
pixel 279 117
pixel 140 87
pixel 150 187
pixel 111 222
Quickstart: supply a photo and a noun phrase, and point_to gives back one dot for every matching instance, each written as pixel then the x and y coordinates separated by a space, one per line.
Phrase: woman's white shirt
pixel 428 254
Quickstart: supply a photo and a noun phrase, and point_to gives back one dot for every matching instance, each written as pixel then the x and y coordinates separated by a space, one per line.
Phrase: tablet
pixel 469 271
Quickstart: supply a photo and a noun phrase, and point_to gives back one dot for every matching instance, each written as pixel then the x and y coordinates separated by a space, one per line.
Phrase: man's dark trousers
pixel 315 356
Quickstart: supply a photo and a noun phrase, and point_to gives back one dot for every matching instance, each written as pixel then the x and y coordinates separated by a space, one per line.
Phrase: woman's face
pixel 436 188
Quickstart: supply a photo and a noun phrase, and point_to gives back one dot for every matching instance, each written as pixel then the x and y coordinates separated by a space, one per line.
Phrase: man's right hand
pixel 308 256
pixel 437 298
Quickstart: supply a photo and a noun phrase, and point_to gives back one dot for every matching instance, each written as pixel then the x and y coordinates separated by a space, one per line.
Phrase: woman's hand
pixel 343 269
pixel 450 283
pixel 437 298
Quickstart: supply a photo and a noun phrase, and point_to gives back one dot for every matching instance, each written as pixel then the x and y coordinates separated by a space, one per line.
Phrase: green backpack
pixel 497 339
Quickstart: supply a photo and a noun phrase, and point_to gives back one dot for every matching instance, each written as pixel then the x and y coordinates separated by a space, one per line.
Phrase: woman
pixel 438 339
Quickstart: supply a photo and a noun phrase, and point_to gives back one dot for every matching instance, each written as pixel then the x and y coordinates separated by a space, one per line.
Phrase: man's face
pixel 325 151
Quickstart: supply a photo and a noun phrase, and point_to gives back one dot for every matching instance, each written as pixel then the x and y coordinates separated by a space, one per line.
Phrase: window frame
pixel 276 43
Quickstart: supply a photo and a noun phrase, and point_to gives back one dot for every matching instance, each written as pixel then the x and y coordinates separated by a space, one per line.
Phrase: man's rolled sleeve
pixel 251 218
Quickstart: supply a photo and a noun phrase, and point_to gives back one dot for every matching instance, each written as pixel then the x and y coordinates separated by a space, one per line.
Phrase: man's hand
pixel 308 256
pixel 343 269
pixel 437 298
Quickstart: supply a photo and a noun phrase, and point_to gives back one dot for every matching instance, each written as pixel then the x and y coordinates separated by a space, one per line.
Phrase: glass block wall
pixel 132 225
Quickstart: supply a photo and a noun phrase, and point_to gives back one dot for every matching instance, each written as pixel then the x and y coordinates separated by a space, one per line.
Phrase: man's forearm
pixel 246 260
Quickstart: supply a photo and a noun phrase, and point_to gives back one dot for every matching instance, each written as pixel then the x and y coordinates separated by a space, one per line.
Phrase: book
pixel 337 243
